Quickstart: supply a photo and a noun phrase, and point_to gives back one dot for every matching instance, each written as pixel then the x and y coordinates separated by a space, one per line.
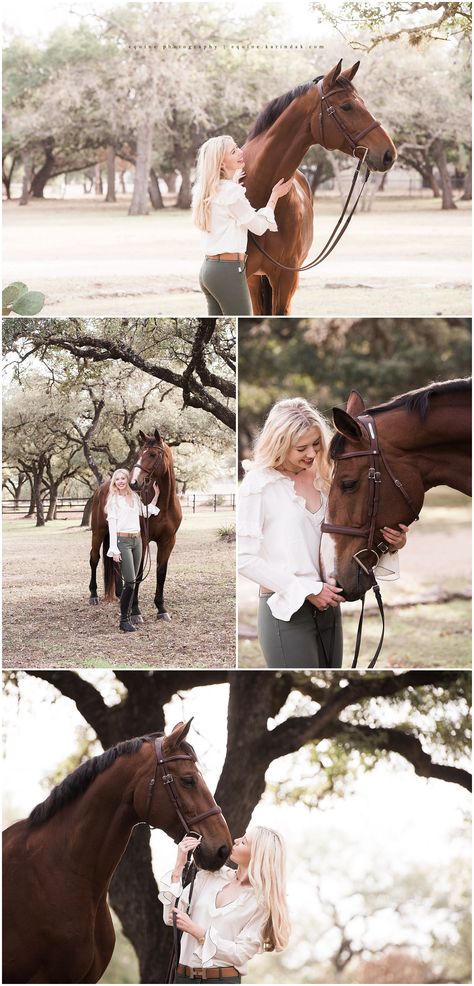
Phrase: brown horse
pixel 274 149
pixel 154 464
pixel 424 440
pixel 58 862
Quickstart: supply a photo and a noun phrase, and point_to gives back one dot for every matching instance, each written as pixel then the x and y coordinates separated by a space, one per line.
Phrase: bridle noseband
pixel 375 547
pixel 331 112
pixel 169 784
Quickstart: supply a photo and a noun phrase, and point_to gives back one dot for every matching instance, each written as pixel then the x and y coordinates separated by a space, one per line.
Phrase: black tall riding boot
pixel 125 602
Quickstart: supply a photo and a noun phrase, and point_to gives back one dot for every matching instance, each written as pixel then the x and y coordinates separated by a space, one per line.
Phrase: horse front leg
pixel 161 570
pixel 284 284
pixel 94 561
pixel 135 615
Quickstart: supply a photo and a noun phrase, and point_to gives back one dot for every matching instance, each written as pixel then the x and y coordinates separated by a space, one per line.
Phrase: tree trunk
pixel 110 197
pixel 139 203
pixel 53 502
pixel 27 173
pixel 39 507
pixel 7 174
pixel 41 178
pixel 98 183
pixel 86 513
pixel 337 175
pixel 439 154
pixel 171 179
pixel 367 199
pixel 185 193
pixel 467 193
pixel 155 191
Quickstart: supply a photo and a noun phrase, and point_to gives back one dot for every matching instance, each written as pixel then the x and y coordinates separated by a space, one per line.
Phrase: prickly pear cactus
pixel 16 298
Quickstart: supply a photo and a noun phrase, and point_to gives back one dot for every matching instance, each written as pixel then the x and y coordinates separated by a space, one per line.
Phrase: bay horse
pixel 154 464
pixel 58 862
pixel 386 458
pixel 283 133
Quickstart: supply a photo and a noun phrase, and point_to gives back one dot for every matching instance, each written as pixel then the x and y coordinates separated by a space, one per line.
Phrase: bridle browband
pixel 331 112
pixel 375 547
pixel 169 784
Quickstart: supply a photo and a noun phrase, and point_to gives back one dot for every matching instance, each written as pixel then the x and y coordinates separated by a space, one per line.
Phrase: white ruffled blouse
pixel 279 540
pixel 231 217
pixel 123 516
pixel 233 931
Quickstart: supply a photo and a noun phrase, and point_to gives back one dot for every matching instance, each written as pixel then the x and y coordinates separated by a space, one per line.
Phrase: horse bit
pixel 169 784
pixel 368 558
pixel 333 240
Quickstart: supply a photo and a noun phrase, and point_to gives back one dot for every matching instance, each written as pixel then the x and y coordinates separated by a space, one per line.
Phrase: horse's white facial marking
pixel 328 557
pixel 136 472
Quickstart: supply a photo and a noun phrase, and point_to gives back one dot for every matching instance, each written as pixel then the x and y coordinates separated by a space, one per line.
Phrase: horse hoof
pixel 93 601
pixel 163 616
pixel 137 619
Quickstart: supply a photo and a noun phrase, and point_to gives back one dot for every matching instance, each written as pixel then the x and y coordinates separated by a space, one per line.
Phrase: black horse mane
pixel 275 108
pixel 79 780
pixel 414 402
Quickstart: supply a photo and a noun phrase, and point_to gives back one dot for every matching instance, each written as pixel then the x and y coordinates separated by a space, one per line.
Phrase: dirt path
pixel 403 258
pixel 47 620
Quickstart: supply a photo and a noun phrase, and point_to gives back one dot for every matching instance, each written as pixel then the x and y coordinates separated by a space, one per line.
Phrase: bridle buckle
pixel 167 778
pixel 375 475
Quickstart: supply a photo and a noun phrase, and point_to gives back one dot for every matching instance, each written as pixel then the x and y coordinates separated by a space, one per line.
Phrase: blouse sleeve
pixel 290 591
pixel 236 951
pixel 112 522
pixel 147 510
pixel 169 891
pixel 256 220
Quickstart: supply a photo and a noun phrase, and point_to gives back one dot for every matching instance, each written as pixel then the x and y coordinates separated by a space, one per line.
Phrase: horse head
pixel 365 496
pixel 152 462
pixel 342 121
pixel 171 794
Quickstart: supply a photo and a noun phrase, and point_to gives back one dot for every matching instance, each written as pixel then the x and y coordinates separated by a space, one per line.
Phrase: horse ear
pixel 331 77
pixel 177 735
pixel 349 73
pixel 347 425
pixel 157 435
pixel 142 436
pixel 355 404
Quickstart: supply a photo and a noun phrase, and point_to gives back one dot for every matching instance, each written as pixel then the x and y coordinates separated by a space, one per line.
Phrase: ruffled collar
pixel 258 477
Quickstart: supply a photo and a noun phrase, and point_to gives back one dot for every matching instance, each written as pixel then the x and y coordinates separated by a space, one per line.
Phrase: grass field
pixel 47 620
pixel 406 257
pixel 427 612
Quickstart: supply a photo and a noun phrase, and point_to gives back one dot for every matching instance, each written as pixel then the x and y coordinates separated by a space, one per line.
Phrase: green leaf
pixel 29 304
pixel 12 292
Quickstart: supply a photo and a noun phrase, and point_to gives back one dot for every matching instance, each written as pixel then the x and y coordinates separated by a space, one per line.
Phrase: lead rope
pixel 328 246
pixel 188 876
pixel 378 596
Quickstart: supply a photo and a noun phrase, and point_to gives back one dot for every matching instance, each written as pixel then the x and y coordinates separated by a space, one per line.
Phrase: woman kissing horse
pixel 58 862
pixel 154 464
pixel 386 458
pixel 327 111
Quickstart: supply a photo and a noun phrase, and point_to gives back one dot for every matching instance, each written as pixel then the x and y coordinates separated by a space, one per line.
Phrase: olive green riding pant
pixel 224 283
pixel 312 638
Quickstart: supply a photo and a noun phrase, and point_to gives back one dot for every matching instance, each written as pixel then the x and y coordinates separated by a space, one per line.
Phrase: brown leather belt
pixel 223 972
pixel 226 256
pixel 128 534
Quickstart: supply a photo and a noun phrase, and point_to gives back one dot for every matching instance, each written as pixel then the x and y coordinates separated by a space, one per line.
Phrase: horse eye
pixel 346 107
pixel 189 781
pixel 348 485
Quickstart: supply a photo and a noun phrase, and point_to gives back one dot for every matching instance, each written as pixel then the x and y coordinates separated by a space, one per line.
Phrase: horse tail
pixel 109 574
pixel 266 295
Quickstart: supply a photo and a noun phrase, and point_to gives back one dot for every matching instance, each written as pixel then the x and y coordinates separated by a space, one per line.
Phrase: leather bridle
pixel 340 227
pixel 369 557
pixel 169 784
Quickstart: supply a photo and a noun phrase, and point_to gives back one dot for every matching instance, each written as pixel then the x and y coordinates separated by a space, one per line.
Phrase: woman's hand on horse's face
pixel 330 595
pixel 186 845
pixel 185 923
pixel 396 539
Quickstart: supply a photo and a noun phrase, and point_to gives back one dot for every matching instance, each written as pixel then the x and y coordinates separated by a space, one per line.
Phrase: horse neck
pixel 437 447
pixel 93 831
pixel 167 484
pixel 279 151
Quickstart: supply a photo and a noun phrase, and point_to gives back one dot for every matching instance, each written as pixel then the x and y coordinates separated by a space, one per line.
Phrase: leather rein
pixel 168 781
pixel 368 558
pixel 339 229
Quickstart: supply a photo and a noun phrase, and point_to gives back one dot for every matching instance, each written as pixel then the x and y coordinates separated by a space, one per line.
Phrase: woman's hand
pixel 157 490
pixel 186 845
pixel 117 557
pixel 185 923
pixel 281 188
pixel 330 595
pixel 396 539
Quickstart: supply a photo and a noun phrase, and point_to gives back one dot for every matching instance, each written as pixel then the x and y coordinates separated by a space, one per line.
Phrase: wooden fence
pixel 70 506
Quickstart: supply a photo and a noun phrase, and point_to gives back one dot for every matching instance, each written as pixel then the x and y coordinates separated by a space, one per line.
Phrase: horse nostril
pixel 223 852
pixel 388 159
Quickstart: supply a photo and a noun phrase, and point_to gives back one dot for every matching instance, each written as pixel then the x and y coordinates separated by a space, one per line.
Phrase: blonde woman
pixel 224 215
pixel 234 914
pixel 282 504
pixel 123 510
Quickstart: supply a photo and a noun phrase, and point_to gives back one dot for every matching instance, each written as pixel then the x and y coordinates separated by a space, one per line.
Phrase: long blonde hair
pixel 113 491
pixel 267 876
pixel 208 175
pixel 286 422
